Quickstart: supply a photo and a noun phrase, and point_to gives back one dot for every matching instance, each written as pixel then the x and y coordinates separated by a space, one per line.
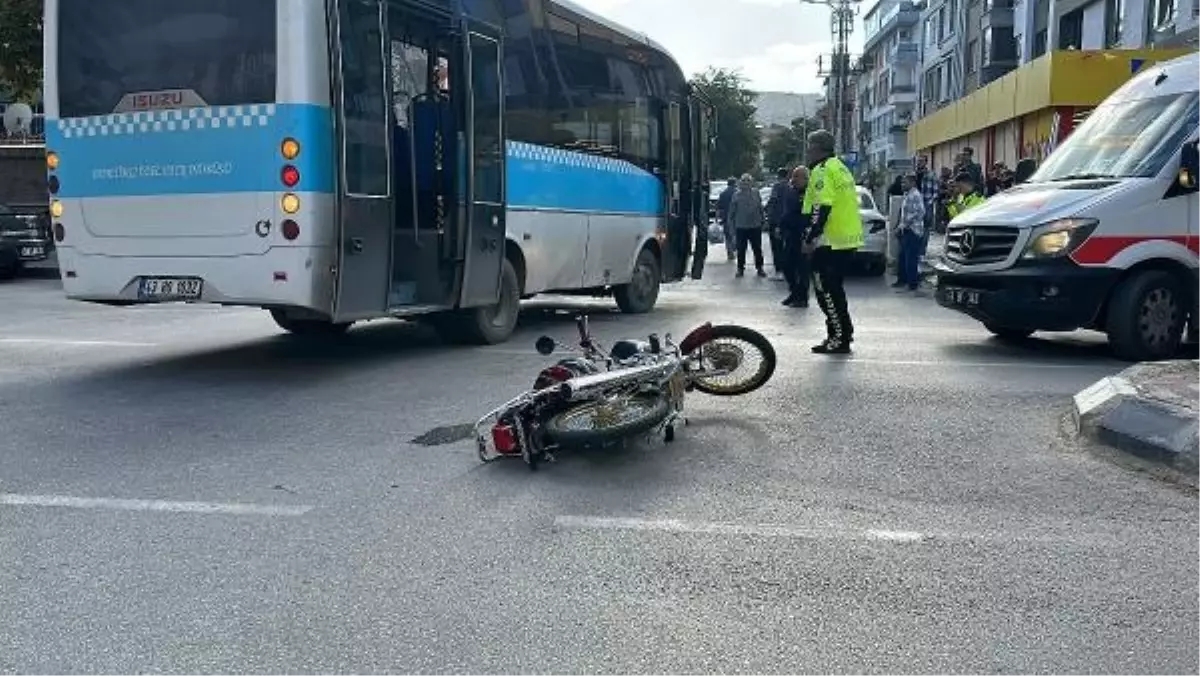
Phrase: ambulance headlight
pixel 1059 238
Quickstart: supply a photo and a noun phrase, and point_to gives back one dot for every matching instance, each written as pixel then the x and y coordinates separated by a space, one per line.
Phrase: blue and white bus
pixel 334 161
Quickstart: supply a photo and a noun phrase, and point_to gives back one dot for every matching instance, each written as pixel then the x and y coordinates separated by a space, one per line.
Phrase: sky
pixel 774 43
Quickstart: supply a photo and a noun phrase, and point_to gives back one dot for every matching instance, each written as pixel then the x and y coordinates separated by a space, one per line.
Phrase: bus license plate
pixel 966 297
pixel 170 288
pixel 32 252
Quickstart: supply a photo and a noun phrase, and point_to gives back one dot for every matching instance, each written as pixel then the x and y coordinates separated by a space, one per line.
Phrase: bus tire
pixel 490 324
pixel 309 328
pixel 641 293
pixel 1146 316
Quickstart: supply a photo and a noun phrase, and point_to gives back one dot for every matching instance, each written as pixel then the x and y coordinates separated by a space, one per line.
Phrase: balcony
pixel 996 14
pixel 906 53
pixel 902 92
pixel 902 14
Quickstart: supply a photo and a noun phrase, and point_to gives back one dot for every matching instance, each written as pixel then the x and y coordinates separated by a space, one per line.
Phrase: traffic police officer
pixel 836 233
pixel 968 195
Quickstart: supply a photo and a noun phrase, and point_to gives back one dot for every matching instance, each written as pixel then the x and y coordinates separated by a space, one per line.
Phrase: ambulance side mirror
pixel 1188 170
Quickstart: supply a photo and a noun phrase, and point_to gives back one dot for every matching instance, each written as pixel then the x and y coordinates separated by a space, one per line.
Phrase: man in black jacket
pixel 774 209
pixel 793 226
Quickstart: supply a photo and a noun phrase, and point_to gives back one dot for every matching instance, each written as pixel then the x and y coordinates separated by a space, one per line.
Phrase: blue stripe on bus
pixel 540 177
pixel 236 149
pixel 193 151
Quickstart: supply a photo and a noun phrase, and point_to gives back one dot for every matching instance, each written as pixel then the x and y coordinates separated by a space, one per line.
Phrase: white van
pixel 1103 236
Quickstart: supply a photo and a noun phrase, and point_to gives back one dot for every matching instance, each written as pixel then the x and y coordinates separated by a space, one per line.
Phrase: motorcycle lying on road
pixel 598 398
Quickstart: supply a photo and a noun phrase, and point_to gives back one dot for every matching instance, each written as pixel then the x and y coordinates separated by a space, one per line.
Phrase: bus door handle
pixel 356 245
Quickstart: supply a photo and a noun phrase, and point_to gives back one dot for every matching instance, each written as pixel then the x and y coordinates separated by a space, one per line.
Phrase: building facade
pixel 887 85
pixel 1010 78
pixel 1029 111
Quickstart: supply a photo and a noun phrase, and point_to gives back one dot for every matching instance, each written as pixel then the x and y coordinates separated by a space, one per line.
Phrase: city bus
pixel 333 161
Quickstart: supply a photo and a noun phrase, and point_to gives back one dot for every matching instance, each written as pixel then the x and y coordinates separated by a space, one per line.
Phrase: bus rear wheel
pixel 308 328
pixel 641 293
pixel 487 325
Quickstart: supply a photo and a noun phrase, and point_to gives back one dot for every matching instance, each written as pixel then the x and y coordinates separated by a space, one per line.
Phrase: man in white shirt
pixel 910 231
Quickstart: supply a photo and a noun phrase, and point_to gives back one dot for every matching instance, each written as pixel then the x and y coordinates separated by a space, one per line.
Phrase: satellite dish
pixel 18 119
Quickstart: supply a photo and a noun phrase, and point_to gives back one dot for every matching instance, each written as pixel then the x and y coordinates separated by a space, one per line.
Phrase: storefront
pixel 1029 111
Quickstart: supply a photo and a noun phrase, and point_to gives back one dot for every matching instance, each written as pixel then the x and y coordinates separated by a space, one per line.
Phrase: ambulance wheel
pixel 1146 316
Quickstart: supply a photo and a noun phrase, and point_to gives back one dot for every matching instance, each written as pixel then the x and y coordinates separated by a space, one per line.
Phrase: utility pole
pixel 841 25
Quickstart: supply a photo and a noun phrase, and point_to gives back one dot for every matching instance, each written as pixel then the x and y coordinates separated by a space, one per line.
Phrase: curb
pixel 1148 410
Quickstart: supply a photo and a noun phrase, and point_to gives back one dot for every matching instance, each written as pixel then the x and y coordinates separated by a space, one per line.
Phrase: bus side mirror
pixel 1188 169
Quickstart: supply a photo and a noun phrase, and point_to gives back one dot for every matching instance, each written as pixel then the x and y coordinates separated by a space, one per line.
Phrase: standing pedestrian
pixel 927 181
pixel 794 225
pixel 746 220
pixel 723 201
pixel 774 216
pixel 911 231
pixel 968 196
pixel 836 233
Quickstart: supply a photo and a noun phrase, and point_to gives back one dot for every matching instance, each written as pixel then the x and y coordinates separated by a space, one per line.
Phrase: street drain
pixel 447 434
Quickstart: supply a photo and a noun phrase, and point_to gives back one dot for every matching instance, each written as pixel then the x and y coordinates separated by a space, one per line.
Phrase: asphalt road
pixel 188 490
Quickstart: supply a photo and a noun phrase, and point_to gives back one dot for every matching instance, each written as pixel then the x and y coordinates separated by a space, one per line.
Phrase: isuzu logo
pixel 167 99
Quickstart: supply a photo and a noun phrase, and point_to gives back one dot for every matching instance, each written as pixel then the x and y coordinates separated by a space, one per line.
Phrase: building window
pixel 998 45
pixel 1114 23
pixel 941 24
pixel 1070 30
pixel 972 55
pixel 1161 14
pixel 1039 44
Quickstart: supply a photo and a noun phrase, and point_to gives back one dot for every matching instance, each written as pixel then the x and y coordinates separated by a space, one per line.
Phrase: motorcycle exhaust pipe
pixel 584 386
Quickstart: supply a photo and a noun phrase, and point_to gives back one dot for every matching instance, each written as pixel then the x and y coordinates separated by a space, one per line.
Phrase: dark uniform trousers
pixel 829 268
pixel 796 268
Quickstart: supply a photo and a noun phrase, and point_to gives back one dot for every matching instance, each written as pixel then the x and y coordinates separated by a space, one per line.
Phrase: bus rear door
pixel 364 150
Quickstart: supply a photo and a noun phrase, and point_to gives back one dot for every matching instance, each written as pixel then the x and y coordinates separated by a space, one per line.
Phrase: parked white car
pixel 873 254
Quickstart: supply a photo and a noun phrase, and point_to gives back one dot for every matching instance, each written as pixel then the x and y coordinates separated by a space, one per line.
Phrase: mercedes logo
pixel 966 243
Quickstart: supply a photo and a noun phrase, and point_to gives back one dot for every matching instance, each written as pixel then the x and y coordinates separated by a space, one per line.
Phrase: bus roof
pixel 612 25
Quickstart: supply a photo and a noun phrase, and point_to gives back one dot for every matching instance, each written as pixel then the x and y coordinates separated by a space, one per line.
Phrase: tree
pixel 21 48
pixel 736 150
pixel 786 147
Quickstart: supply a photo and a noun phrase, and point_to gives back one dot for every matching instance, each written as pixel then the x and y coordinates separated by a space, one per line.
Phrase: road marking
pixel 715 528
pixel 73 343
pixel 72 502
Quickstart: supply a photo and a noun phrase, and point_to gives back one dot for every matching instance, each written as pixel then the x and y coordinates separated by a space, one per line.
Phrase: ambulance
pixel 1102 236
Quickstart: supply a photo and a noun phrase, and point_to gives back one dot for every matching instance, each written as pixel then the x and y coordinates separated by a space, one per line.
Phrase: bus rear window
pixel 223 51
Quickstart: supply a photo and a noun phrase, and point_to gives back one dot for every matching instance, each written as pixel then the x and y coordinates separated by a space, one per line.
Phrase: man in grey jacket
pixel 746 220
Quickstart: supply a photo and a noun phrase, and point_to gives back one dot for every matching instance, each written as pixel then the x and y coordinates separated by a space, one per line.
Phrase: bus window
pixel 207 52
pixel 364 103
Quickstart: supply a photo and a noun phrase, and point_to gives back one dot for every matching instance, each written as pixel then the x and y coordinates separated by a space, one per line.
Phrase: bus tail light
pixel 52 160
pixel 53 184
pixel 290 203
pixel 56 209
pixel 290 149
pixel 60 233
pixel 290 230
pixel 290 176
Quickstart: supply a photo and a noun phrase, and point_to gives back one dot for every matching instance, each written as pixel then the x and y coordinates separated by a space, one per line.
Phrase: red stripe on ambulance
pixel 1100 250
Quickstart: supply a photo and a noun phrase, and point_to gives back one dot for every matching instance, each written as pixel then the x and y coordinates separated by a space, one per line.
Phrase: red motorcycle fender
pixel 698 336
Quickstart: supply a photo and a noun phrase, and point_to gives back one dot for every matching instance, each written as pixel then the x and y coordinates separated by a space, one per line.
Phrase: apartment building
pixel 887 86
pixel 1046 25
pixel 965 44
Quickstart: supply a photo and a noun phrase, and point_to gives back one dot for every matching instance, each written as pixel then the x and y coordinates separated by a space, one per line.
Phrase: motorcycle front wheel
pixel 740 360
pixel 607 420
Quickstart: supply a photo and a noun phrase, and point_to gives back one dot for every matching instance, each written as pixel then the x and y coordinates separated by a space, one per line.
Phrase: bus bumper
pixel 1039 296
pixel 297 277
